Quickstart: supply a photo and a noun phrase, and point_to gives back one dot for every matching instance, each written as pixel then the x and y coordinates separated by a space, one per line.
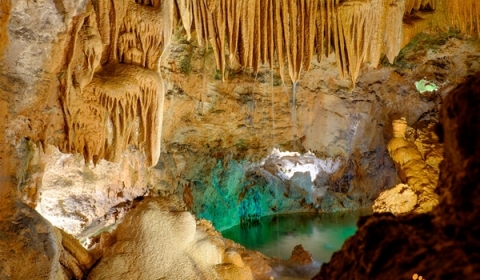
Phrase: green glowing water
pixel 276 236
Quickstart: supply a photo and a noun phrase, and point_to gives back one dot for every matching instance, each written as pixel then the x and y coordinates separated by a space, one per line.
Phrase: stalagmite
pixel 420 178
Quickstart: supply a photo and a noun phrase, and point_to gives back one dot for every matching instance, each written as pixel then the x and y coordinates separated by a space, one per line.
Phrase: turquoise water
pixel 276 236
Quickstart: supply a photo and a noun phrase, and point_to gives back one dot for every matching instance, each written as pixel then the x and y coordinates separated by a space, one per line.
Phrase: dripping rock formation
pixel 418 170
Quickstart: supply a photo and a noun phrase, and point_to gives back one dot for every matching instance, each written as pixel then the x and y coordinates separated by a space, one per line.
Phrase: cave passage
pixel 276 236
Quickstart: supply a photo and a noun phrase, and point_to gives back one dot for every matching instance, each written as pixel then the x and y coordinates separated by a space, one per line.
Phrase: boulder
pixel 158 241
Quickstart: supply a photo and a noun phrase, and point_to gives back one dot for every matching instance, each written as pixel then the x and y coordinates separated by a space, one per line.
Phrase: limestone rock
pixel 337 202
pixel 29 248
pixel 398 200
pixel 300 256
pixel 228 271
pixel 74 195
pixel 157 241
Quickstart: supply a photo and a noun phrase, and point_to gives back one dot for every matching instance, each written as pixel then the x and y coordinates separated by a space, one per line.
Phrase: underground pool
pixel 276 236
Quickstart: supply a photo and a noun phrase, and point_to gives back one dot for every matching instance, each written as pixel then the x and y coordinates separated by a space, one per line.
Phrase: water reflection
pixel 276 236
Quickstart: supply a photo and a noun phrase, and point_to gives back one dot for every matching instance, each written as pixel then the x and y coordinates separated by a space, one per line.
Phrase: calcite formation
pixel 465 15
pixel 113 92
pixel 31 248
pixel 156 240
pixel 420 178
pixel 291 32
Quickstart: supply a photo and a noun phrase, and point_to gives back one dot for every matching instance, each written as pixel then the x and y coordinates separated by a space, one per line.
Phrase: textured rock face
pixel 439 245
pixel 74 195
pixel 418 170
pixel 400 199
pixel 28 244
pixel 222 129
pixel 156 241
pixel 31 248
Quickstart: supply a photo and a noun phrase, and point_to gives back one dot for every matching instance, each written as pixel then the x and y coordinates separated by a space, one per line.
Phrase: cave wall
pixel 216 131
pixel 82 101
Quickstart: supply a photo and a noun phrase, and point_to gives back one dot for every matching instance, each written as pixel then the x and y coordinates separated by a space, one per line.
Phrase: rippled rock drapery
pixel 443 244
pixel 113 92
pixel 418 171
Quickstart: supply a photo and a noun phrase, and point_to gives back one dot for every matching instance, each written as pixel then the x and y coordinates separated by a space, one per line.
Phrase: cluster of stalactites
pixel 292 32
pixel 144 34
pixel 116 101
pixel 464 15
pixel 123 110
pixel 416 5
pixel 262 32
pixel 134 31
pixel 366 31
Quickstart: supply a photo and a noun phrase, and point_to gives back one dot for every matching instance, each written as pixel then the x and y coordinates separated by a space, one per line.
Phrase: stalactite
pixel 279 39
pixel 109 109
pixel 140 41
pixel 291 32
pixel 357 23
pixel 260 32
pixel 123 94
pixel 464 15
pixel 185 8
pixel 393 31
pixel 416 5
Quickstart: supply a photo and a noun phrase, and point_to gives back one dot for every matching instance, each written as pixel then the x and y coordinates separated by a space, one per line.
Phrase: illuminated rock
pixel 154 241
pixel 417 194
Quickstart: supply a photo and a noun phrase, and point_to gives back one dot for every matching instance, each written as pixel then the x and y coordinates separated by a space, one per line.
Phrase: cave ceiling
pixel 107 67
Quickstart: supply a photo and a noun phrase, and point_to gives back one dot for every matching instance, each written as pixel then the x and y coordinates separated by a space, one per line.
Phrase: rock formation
pixel 31 248
pixel 441 244
pixel 420 178
pixel 113 98
pixel 156 241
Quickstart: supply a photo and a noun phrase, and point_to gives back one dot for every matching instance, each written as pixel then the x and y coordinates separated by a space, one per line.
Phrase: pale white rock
pixel 156 241
pixel 397 200
pixel 72 194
